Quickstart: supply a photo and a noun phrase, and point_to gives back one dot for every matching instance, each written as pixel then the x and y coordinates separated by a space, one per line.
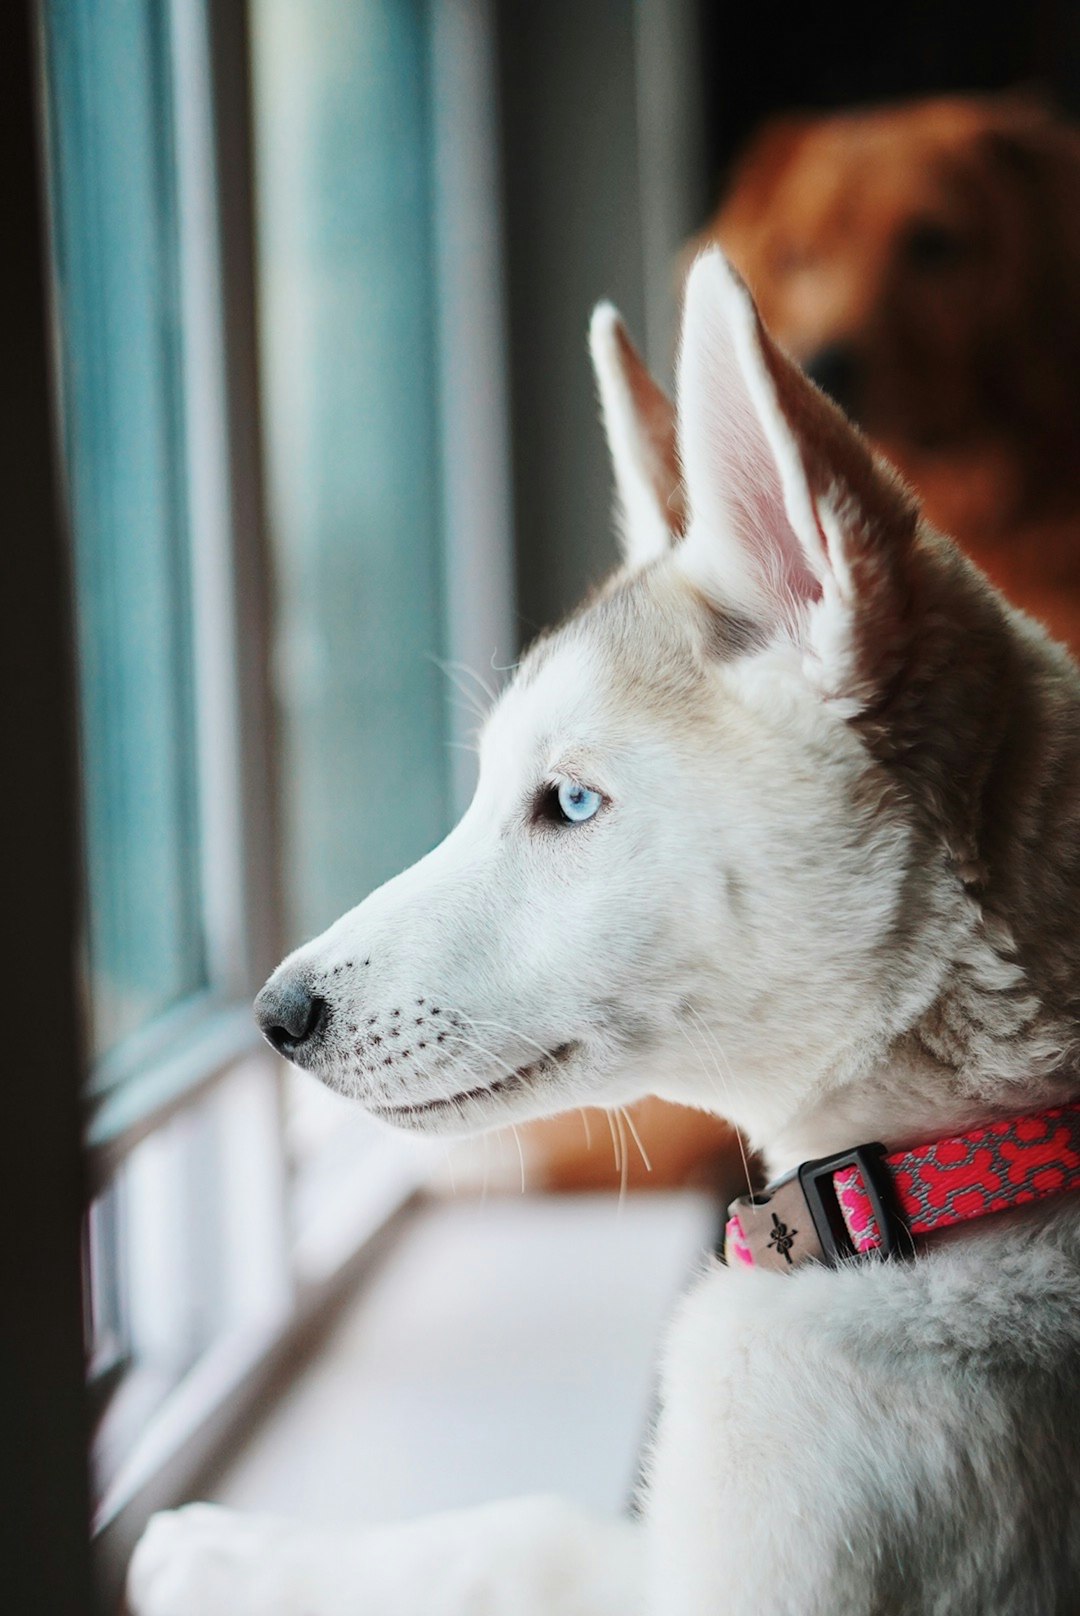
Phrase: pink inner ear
pixel 754 498
pixel 770 463
pixel 732 475
pixel 656 418
pixel 777 552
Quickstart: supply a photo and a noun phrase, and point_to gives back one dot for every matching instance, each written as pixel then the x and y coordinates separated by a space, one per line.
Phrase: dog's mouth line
pixel 502 1085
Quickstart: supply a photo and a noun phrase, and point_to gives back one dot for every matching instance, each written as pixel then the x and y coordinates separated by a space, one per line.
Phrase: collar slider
pixel 822 1195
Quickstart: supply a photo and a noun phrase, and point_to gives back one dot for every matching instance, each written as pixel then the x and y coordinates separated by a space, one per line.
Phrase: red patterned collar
pixel 866 1202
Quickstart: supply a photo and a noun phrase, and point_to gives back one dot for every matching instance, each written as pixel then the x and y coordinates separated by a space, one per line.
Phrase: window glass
pixel 118 300
pixel 348 344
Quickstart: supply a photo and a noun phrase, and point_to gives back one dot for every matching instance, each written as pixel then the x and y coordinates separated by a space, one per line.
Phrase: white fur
pixel 514 1558
pixel 754 923
pixel 754 539
pixel 644 523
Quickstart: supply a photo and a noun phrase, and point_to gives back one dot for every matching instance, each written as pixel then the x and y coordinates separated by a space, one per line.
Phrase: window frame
pixel 45 1551
pixel 176 1056
pixel 470 57
pixel 203 1049
pixel 171 1067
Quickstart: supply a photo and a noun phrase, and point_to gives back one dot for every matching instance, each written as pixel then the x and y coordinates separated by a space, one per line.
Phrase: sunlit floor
pixel 506 1345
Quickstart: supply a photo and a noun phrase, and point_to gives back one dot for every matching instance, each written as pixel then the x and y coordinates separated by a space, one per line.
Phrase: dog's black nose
pixel 290 1015
pixel 837 371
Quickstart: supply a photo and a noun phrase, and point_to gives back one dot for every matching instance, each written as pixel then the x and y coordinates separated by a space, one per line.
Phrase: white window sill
pixel 507 1344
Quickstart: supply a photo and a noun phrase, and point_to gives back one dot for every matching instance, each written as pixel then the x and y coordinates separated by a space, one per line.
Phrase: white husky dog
pixel 800 776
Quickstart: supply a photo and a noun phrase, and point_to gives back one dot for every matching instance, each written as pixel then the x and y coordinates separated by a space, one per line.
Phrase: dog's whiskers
pixel 521 1154
pixel 637 1139
pixel 485 686
pixel 614 1141
pixel 449 1155
pixel 455 670
pixel 504 1068
pixel 478 708
pixel 624 1167
pixel 511 1032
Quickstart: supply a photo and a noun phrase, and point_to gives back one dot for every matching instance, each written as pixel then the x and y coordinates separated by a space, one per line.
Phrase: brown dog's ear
pixel 1038 154
pixel 1034 158
pixel 792 521
pixel 748 192
pixel 1027 99
pixel 639 420
pixel 761 163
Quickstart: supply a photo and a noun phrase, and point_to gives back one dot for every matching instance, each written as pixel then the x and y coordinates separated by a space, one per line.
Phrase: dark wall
pixel 572 236
pixel 761 59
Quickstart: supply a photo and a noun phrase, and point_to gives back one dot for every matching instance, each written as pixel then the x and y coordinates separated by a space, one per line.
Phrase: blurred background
pixel 311 444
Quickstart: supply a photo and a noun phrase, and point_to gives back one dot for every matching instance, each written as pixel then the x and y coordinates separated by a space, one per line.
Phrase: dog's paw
pixel 522 1557
pixel 208 1561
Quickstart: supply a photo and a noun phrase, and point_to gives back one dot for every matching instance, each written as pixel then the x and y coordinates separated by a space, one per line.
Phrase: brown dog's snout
pixel 837 369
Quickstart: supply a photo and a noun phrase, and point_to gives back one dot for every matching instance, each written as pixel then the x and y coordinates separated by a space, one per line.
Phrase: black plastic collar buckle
pixel 816 1180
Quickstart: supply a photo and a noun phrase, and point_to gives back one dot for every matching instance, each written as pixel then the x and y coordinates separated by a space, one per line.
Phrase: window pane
pixel 347 309
pixel 116 252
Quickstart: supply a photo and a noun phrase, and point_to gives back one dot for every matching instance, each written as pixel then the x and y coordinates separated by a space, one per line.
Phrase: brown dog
pixel 922 263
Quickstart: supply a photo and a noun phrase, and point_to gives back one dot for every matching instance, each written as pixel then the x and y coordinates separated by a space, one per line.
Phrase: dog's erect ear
pixel 791 520
pixel 639 420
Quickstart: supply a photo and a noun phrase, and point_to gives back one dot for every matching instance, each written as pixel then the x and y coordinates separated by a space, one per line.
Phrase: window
pixel 172 1278
pixel 385 423
pixel 120 293
pixel 342 102
pixel 228 1200
pixel 140 366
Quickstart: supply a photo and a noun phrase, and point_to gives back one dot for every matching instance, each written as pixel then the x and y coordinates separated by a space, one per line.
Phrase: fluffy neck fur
pixel 982 733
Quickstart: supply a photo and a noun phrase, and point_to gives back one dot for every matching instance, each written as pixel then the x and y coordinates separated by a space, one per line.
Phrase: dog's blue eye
pixel 576 802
